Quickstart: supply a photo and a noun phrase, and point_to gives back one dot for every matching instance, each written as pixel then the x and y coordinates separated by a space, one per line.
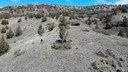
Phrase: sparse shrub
pixel 59 46
pixel 44 19
pixel 40 30
pixel 9 34
pixel 18 53
pixel 38 16
pixel 123 8
pixel 105 33
pixel 4 46
pixel 63 33
pixel 57 15
pixel 121 33
pixel 125 22
pixel 19 20
pixel 3 30
pixel 30 15
pixel 96 30
pixel 67 22
pixel 116 23
pixel 14 41
pixel 54 15
pixel 18 31
pixel 63 43
pixel 97 27
pixel 5 16
pixel 51 27
pixel 4 22
pixel 63 21
pixel 107 18
pixel 6 27
pixel 25 18
pixel 108 26
pixel 89 22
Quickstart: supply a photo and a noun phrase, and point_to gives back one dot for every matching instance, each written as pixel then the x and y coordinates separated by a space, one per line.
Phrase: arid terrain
pixel 52 38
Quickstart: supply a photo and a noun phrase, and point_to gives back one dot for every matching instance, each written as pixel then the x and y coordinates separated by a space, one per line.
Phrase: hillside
pixel 92 49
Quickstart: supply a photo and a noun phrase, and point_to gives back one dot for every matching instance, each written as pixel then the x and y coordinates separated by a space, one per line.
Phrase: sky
pixel 4 3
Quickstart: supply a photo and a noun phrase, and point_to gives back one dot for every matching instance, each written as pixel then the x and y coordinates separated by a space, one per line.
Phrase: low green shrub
pixel 51 27
pixel 60 46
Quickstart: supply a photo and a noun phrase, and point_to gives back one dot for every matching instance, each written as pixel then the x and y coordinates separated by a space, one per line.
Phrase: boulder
pixel 75 23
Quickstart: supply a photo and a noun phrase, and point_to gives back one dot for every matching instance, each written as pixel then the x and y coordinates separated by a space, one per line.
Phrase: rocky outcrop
pixel 110 61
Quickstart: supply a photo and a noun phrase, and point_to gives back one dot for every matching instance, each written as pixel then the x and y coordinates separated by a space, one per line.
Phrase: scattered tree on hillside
pixel 3 30
pixel 9 34
pixel 63 21
pixel 4 46
pixel 38 16
pixel 125 22
pixel 63 33
pixel 44 19
pixel 89 21
pixel 4 22
pixel 97 27
pixel 25 18
pixel 6 27
pixel 123 8
pixel 121 33
pixel 40 30
pixel 19 20
pixel 107 18
pixel 51 27
pixel 18 31
pixel 108 26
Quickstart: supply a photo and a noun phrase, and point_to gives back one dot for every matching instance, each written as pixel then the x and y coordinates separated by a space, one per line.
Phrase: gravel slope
pixel 39 57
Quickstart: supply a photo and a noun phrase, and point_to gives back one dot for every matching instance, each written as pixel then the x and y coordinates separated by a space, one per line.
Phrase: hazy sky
pixel 61 2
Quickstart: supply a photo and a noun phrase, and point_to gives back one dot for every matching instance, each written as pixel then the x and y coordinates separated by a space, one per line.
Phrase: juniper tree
pixel 38 16
pixel 44 19
pixel 121 33
pixel 125 22
pixel 107 18
pixel 19 20
pixel 108 26
pixel 63 33
pixel 9 34
pixel 64 21
pixel 51 27
pixel 4 22
pixel 18 31
pixel 6 27
pixel 89 21
pixel 40 30
pixel 3 30
pixel 25 18
pixel 4 46
pixel 97 27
